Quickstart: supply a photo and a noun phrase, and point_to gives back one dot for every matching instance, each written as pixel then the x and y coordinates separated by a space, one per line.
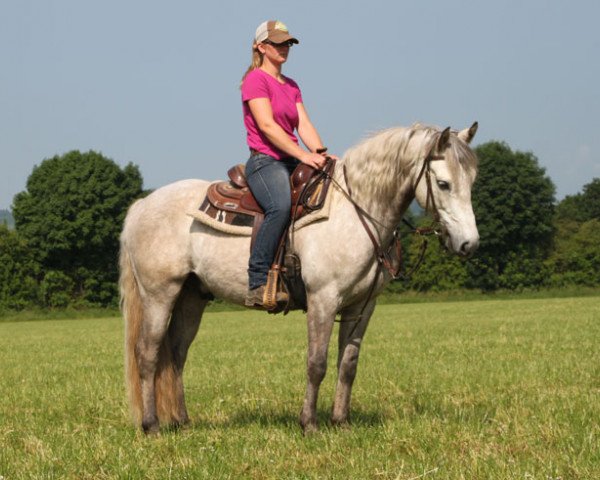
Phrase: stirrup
pixel 272 297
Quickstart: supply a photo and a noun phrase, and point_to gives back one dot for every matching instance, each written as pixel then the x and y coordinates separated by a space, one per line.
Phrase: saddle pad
pixel 245 231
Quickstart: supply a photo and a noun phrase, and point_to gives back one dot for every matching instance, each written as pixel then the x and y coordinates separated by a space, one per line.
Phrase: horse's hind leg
pixel 349 342
pixel 320 318
pixel 148 349
pixel 182 331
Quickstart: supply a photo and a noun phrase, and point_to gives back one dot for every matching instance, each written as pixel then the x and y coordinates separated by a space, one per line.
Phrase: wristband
pixel 321 150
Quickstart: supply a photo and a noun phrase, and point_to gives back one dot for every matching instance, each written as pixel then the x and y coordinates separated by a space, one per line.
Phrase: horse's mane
pixel 392 153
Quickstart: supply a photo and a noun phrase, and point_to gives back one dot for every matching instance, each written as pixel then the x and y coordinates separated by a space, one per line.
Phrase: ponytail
pixel 257 59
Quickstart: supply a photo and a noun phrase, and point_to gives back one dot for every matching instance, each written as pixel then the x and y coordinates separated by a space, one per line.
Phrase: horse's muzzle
pixel 464 247
pixel 468 247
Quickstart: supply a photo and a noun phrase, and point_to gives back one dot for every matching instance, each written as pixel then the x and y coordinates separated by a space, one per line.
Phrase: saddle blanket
pixel 246 231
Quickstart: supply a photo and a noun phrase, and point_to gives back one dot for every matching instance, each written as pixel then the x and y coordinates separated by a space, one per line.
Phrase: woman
pixel 273 111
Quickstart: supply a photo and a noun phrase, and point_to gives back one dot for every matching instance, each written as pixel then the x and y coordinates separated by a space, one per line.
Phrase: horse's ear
pixel 467 134
pixel 443 140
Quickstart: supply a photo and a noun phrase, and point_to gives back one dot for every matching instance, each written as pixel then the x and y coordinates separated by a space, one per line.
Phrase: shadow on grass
pixel 288 419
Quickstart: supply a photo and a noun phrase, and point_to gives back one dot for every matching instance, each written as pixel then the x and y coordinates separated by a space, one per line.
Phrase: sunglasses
pixel 287 43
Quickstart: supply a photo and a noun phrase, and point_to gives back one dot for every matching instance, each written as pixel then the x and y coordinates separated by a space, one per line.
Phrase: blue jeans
pixel 269 181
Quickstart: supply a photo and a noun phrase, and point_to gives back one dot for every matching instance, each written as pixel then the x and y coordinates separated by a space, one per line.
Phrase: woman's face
pixel 276 53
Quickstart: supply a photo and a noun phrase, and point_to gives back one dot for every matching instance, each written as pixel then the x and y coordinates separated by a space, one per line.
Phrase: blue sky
pixel 156 83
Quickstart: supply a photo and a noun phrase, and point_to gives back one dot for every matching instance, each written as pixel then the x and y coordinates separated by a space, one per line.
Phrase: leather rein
pixel 383 255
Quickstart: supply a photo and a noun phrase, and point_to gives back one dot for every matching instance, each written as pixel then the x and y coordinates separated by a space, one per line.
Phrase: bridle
pixel 382 254
pixel 426 170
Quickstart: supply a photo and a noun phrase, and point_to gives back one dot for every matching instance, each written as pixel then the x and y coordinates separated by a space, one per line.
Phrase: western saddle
pixel 231 202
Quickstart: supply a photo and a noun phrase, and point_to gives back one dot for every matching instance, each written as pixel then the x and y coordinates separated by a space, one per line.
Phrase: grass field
pixel 473 390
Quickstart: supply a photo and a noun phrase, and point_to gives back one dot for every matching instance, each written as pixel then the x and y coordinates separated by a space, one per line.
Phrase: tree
pixel 71 215
pixel 513 201
pixel 591 200
pixel 439 270
pixel 576 256
pixel 583 206
pixel 19 271
pixel 6 218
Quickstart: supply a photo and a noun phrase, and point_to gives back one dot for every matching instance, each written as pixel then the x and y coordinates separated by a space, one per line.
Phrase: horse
pixel 172 265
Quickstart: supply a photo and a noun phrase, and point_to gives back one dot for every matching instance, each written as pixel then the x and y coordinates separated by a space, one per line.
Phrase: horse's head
pixel 443 187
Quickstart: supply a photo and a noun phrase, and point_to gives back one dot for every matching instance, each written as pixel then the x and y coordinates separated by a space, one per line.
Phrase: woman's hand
pixel 315 160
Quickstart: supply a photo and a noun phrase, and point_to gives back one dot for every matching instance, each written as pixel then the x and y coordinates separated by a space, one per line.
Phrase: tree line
pixel 6 218
pixel 527 240
pixel 64 247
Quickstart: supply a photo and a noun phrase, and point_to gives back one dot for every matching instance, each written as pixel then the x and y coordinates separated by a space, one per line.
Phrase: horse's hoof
pixel 185 424
pixel 309 429
pixel 180 424
pixel 308 423
pixel 341 423
pixel 151 428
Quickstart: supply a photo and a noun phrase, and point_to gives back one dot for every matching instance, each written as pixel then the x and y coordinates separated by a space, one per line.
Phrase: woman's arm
pixel 263 114
pixel 307 131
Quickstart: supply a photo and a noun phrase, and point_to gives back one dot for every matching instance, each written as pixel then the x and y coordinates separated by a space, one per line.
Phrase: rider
pixel 273 110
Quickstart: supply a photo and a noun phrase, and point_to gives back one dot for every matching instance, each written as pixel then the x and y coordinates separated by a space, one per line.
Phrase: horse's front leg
pixel 320 318
pixel 349 341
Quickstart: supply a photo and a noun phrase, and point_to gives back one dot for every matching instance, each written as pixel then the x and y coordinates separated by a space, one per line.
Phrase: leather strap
pixel 382 256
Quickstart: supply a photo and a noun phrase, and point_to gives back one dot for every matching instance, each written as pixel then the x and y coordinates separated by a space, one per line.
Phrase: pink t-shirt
pixel 283 97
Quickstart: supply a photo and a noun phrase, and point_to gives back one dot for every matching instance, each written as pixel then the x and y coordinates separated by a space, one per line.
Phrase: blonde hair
pixel 257 60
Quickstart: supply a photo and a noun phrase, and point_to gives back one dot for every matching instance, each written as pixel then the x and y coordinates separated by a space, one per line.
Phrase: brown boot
pixel 255 297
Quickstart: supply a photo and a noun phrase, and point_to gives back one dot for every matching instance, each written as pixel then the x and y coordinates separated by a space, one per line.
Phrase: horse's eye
pixel 443 185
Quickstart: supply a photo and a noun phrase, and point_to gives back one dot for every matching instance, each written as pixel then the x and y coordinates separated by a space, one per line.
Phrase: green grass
pixel 474 390
pixel 390 296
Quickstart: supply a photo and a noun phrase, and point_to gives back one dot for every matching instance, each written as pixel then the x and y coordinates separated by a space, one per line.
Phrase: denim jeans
pixel 269 181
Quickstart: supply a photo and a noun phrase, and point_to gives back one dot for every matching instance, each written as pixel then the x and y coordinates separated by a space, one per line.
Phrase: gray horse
pixel 171 264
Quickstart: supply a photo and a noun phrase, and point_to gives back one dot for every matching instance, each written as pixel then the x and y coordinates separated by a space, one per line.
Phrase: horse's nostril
pixel 469 246
pixel 465 248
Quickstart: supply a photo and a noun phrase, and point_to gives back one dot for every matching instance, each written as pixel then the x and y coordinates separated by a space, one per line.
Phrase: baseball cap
pixel 274 31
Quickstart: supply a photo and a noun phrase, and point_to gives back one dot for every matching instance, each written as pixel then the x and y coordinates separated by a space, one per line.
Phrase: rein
pixel 382 255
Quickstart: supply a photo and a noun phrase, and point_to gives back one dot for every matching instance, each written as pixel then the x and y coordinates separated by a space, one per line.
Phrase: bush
pixel 56 289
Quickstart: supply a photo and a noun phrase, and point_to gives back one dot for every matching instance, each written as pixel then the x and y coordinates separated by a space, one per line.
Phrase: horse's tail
pixel 165 380
pixel 131 307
